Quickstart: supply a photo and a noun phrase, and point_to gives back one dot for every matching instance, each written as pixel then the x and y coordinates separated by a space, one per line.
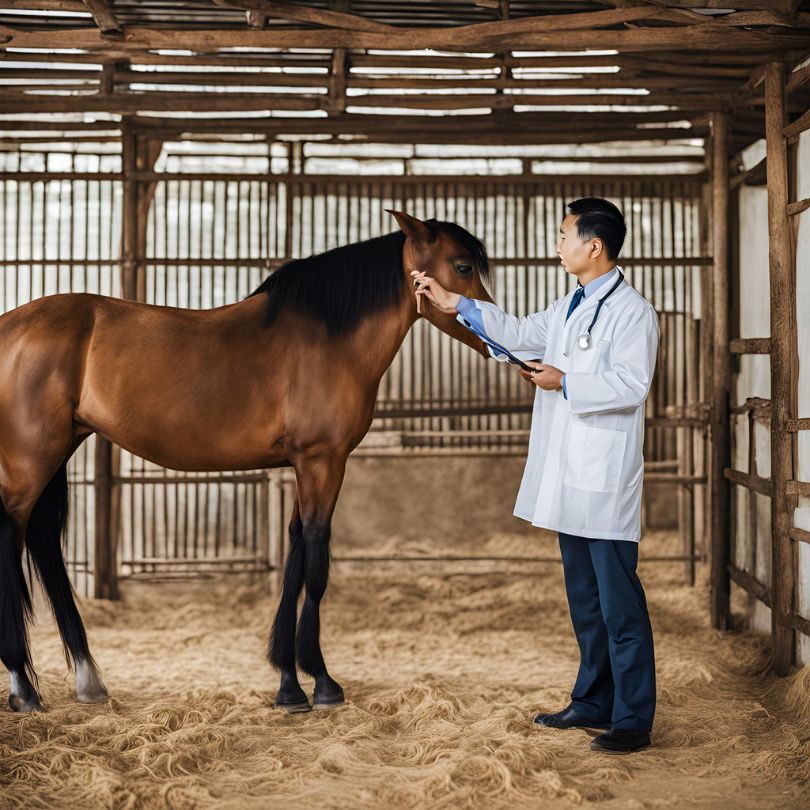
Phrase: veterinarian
pixel 597 350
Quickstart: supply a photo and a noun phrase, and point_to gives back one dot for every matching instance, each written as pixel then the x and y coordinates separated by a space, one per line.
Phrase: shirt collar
pixel 592 286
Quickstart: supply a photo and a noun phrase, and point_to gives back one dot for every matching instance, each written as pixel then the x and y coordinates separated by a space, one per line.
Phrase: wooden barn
pixel 177 154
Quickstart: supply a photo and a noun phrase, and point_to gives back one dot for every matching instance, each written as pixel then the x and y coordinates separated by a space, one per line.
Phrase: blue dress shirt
pixel 469 311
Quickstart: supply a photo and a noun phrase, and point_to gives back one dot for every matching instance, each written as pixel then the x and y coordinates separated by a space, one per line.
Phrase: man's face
pixel 574 253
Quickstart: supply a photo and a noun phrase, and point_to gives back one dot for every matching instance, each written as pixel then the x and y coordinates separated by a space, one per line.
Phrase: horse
pixel 288 376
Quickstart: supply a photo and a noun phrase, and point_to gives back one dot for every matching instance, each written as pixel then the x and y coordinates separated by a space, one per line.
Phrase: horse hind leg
pixel 15 614
pixel 43 539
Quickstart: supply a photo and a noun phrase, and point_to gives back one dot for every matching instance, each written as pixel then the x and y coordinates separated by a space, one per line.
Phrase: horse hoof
pixel 22 706
pixel 321 702
pixel 293 708
pixel 100 696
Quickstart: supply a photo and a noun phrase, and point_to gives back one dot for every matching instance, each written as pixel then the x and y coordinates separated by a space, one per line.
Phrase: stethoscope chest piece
pixel 584 341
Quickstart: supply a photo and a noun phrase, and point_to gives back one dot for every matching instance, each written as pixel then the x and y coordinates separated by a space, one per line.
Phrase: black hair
pixel 599 218
pixel 344 285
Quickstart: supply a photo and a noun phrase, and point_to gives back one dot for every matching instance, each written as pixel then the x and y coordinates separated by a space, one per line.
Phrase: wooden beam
pixel 720 444
pixel 754 483
pixel 255 19
pixel 799 535
pixel 684 38
pixel 315 16
pixel 106 21
pixel 751 585
pixel 194 101
pixel 784 367
pixel 750 346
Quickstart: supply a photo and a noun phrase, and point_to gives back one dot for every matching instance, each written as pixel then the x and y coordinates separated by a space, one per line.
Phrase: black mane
pixel 344 285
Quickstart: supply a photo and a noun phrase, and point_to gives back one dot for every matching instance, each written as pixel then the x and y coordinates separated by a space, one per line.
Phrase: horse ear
pixel 413 227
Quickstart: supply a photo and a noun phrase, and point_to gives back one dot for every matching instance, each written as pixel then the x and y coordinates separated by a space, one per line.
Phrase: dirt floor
pixel 443 675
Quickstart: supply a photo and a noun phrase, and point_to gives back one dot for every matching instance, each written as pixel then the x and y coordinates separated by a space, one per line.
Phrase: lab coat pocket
pixel 595 457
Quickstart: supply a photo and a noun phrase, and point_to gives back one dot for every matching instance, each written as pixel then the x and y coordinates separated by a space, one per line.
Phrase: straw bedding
pixel 443 676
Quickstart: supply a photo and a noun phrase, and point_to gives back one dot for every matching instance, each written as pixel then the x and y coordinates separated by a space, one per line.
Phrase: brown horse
pixel 288 376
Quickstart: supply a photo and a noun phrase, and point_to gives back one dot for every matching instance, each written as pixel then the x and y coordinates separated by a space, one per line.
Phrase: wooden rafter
pixel 709 37
pixel 106 21
pixel 316 16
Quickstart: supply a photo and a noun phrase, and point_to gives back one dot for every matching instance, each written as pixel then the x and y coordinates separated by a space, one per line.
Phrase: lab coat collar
pixel 590 301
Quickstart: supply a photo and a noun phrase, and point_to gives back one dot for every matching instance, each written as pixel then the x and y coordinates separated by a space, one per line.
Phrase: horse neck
pixel 379 337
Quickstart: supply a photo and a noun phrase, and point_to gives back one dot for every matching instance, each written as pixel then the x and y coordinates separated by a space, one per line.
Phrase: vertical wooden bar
pixel 784 367
pixel 720 376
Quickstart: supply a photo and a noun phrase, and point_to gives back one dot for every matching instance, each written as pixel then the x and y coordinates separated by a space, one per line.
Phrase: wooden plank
pixel 795 425
pixel 798 488
pixel 750 346
pixel 796 208
pixel 798 126
pixel 800 624
pixel 750 585
pixel 720 444
pixel 799 535
pixel 751 482
pixel 104 18
pixel 201 101
pixel 315 16
pixel 784 366
pixel 684 38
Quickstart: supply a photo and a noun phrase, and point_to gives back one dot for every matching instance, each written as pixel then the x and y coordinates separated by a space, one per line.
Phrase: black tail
pixel 15 603
pixel 44 542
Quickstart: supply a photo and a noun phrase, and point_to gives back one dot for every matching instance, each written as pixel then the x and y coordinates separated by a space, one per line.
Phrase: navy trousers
pixel 616 680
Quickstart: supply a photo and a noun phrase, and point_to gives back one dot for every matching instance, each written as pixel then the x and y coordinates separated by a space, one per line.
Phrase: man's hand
pixel 443 300
pixel 546 377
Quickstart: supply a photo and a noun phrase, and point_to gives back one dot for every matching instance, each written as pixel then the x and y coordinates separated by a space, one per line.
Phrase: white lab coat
pixel 584 469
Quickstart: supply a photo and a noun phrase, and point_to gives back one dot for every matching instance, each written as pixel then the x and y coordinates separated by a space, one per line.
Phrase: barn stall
pixel 177 154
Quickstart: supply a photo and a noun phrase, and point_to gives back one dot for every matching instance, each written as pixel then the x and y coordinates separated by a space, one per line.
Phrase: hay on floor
pixel 443 676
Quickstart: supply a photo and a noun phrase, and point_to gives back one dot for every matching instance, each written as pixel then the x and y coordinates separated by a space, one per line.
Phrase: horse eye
pixel 464 269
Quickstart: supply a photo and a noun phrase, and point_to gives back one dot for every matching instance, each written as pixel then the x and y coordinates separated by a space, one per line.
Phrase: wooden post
pixel 783 368
pixel 107 508
pixel 721 539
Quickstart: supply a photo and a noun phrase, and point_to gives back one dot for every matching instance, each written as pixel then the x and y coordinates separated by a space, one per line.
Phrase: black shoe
pixel 621 741
pixel 567 718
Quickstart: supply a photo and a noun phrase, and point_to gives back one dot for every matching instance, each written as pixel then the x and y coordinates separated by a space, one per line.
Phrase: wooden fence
pixel 204 239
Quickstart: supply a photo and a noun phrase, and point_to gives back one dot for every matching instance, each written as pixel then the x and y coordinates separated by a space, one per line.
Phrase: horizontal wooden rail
pixel 799 535
pixel 653 180
pixel 750 346
pixel 801 488
pixel 750 482
pixel 797 207
pixel 443 558
pixel 798 126
pixel 795 425
pixel 758 407
pixel 750 584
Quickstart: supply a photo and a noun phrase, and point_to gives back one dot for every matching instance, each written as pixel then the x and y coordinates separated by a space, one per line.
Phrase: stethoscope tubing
pixel 585 338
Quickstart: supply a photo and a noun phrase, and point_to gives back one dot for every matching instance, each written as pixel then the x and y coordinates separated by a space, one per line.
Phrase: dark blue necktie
pixel 579 294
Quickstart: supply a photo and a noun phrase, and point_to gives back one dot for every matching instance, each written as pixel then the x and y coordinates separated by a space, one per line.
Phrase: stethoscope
pixel 584 340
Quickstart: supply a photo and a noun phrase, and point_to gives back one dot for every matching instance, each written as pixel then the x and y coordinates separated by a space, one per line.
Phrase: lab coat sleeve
pixel 627 382
pixel 521 336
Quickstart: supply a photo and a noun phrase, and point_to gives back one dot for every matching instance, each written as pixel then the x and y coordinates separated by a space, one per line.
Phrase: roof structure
pixel 469 71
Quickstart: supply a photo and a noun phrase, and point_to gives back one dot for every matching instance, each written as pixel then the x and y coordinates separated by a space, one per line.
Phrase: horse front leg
pixel 319 483
pixel 282 640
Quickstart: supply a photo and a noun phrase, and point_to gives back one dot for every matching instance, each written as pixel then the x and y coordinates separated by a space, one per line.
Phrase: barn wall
pixel 802 514
pixel 752 537
pixel 751 542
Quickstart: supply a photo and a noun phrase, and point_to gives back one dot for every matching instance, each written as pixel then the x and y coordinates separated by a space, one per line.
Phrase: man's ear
pixel 413 227
pixel 597 248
